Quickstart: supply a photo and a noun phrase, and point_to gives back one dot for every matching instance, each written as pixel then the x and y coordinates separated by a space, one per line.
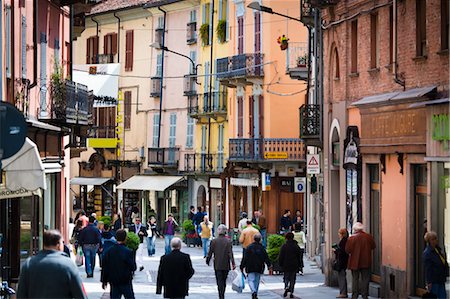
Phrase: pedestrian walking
pixel 175 270
pixel 247 235
pixel 242 224
pixel 206 234
pixel 198 217
pixel 118 268
pixel 340 264
pixel 222 250
pixel 436 266
pixel 76 234
pixel 191 213
pixel 285 222
pixel 169 228
pixel 141 231
pixel 290 261
pixel 153 233
pixel 50 274
pixel 82 215
pixel 359 246
pixel 253 262
pixel 108 240
pixel 300 237
pixel 260 220
pixel 117 223
pixel 90 240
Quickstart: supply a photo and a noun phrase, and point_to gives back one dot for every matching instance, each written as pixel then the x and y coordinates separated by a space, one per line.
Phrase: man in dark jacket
pixel 285 222
pixel 90 240
pixel 118 268
pixel 253 262
pixel 223 256
pixel 191 213
pixel 50 274
pixel 290 260
pixel 175 270
pixel 139 229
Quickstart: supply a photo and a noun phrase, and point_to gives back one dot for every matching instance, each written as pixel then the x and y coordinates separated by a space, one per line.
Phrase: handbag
pixel 335 266
pixel 79 257
pixel 238 282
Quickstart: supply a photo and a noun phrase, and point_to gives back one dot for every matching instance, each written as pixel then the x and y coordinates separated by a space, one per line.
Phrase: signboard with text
pixel 312 164
pixel 299 184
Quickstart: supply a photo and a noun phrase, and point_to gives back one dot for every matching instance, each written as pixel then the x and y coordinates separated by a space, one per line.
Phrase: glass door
pixel 420 224
pixel 375 212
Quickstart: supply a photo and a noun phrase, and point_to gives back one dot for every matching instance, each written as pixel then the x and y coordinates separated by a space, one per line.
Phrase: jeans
pixel 90 251
pixel 342 280
pixel 205 245
pixel 221 279
pixel 363 286
pixel 117 290
pixel 253 281
pixel 289 281
pixel 301 259
pixel 167 239
pixel 439 290
pixel 263 233
pixel 151 245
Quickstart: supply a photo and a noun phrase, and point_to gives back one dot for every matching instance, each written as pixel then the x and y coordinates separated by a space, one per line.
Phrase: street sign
pixel 275 155
pixel 13 130
pixel 312 164
pixel 265 181
pixel 299 184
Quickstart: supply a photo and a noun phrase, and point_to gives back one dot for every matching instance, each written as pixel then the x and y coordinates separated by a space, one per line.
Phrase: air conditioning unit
pixel 155 90
pixel 189 84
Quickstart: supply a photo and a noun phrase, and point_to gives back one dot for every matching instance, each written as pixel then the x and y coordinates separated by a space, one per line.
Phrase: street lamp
pixel 158 46
pixel 256 6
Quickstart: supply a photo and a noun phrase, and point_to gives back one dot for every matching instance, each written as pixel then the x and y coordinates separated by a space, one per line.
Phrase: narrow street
pixel 203 283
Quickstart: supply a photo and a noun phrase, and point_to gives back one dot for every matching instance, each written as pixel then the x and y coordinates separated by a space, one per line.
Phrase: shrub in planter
pixel 274 243
pixel 204 34
pixel 221 30
pixel 105 219
pixel 188 226
pixel 132 241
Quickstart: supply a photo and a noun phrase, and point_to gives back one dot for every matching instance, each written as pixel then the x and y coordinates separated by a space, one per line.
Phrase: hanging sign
pixel 265 181
pixel 299 184
pixel 312 164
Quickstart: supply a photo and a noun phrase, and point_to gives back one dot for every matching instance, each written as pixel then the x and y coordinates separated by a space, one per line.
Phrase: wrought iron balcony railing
pixel 102 132
pixel 240 66
pixel 105 58
pixel 164 157
pixel 267 149
pixel 204 163
pixel 189 85
pixel 310 121
pixel 208 104
pixel 297 60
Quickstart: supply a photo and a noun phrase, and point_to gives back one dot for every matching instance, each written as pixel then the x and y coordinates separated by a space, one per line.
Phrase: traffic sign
pixel 275 155
pixel 299 184
pixel 13 130
pixel 312 164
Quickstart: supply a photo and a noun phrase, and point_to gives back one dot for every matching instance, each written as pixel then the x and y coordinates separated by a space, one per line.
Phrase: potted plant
pixel 189 235
pixel 57 92
pixel 302 61
pixel 221 31
pixel 204 34
pixel 132 241
pixel 105 220
pixel 274 243
pixel 283 42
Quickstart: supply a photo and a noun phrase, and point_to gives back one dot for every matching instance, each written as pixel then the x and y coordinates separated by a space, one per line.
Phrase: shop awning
pixel 88 181
pixel 149 182
pixel 24 170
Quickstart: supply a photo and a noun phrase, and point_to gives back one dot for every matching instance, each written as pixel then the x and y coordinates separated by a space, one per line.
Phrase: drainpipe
pixel 35 44
pixel 395 47
pixel 95 23
pixel 162 75
pixel 210 75
pixel 118 37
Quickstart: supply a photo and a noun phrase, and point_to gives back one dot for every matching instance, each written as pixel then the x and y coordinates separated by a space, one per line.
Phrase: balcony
pixel 159 35
pixel 189 85
pixel 297 60
pixel 240 68
pixel 199 163
pixel 191 33
pixel 310 128
pixel 155 88
pixel 267 149
pixel 102 137
pixel 164 157
pixel 105 58
pixel 209 105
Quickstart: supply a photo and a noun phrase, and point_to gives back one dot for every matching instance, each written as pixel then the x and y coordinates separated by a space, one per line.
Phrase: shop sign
pixel 275 155
pixel 287 184
pixel 244 182
pixel 299 184
pixel 215 183
pixel 119 121
pixel 351 152
pixel 5 193
pixel 265 180
pixel 441 127
pixel 312 164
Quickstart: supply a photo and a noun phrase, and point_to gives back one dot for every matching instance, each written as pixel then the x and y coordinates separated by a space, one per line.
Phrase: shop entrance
pixel 420 224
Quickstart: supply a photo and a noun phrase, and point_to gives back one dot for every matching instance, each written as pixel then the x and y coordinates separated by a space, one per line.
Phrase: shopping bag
pixel 79 257
pixel 238 282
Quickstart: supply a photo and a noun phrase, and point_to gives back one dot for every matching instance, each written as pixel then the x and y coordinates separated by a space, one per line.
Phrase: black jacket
pixel 435 270
pixel 90 235
pixel 143 229
pixel 285 223
pixel 175 270
pixel 289 257
pixel 118 265
pixel 341 255
pixel 254 258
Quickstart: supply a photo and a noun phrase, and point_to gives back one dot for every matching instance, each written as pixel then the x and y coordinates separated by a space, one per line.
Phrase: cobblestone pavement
pixel 203 284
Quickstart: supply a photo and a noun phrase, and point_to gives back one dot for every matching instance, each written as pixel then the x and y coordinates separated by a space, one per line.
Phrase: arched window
pixel 336 63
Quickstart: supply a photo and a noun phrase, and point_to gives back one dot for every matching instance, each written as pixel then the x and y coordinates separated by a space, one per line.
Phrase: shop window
pixel 336 154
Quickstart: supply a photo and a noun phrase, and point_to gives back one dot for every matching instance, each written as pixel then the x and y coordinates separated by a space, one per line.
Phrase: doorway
pixel 375 221
pixel 420 224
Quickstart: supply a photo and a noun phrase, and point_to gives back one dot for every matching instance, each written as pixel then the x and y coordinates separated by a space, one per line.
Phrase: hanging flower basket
pixel 221 31
pixel 283 42
pixel 204 34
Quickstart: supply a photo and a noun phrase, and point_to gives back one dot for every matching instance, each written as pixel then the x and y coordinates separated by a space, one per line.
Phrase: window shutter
pixel 129 50
pixel 240 125
pixel 251 111
pixel 88 51
pixel 203 149
pixel 261 116
pixel 8 40
pixel 105 44
pixel 226 17
pixel 127 109
pixel 257 32
pixel 24 47
pixel 114 44
pixel 211 25
pixel 204 14
pixel 220 10
pixel 96 42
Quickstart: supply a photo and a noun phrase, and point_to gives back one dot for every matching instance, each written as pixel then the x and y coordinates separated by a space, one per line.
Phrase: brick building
pixel 386 154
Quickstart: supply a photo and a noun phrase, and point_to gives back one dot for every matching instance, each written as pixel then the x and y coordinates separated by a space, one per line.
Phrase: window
pixel 190 132
pixel 391 34
pixel 203 147
pixel 191 34
pixel 211 25
pixel 206 19
pixel 172 129
pixel 220 149
pixel 127 109
pixel 43 75
pixel 354 47
pixel 240 119
pixel 8 41
pixel 110 44
pixel 444 25
pixel 261 115
pixel 105 120
pixel 257 32
pixel 193 56
pixel 373 41
pixel 68 55
pixel 57 52
pixel 155 130
pixel 421 29
pixel 129 50
pixel 193 16
pixel 240 45
pixel 206 98
pixel 336 63
pixel 24 47
pixel 91 50
pixel 159 65
pixel 223 15
pixel 160 22
pixel 251 112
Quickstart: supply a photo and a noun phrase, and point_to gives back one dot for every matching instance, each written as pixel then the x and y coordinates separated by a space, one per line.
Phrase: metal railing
pixel 264 149
pixel 102 132
pixel 310 121
pixel 241 66
pixel 203 163
pixel 208 103
pixel 297 55
pixel 168 157
pixel 105 58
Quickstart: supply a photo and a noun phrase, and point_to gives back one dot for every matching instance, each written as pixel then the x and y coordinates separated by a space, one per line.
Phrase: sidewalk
pixel 203 284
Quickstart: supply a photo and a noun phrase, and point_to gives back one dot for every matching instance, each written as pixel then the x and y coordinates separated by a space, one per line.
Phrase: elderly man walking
pixel 359 246
pixel 223 257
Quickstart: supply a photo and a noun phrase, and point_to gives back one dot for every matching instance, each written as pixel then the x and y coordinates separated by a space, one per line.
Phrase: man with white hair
pixel 359 246
pixel 223 257
pixel 175 270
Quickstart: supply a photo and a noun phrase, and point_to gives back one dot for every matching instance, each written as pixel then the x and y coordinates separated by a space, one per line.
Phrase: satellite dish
pixel 13 130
